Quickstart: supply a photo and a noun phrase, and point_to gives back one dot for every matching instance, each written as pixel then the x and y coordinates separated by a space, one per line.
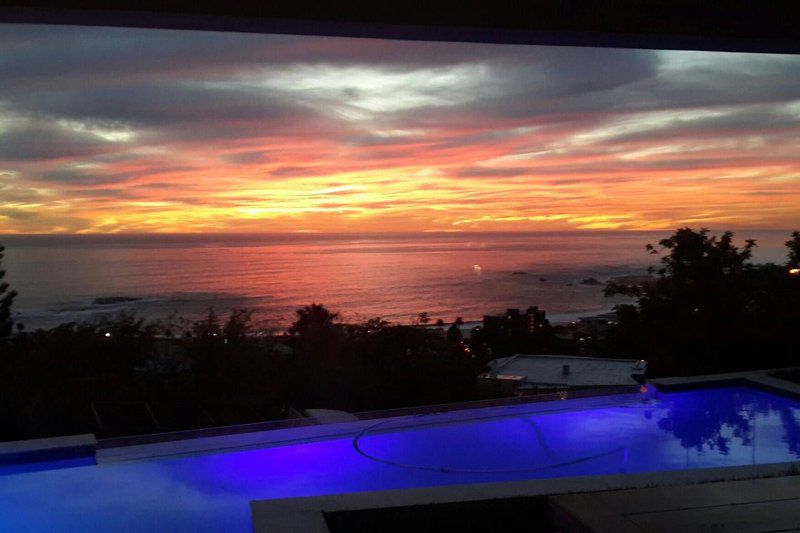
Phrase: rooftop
pixel 566 370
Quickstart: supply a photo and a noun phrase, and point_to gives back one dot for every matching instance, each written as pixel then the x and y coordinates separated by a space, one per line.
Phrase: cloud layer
pixel 109 130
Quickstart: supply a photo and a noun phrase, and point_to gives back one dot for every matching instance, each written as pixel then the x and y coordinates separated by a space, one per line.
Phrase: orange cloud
pixel 278 133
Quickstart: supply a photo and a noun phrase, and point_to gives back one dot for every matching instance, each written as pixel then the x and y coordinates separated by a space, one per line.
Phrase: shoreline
pixel 555 319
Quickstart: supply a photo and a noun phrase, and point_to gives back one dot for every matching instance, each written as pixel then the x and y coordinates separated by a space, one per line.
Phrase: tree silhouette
pixel 6 299
pixel 794 250
pixel 454 331
pixel 375 324
pixel 421 319
pixel 709 309
pixel 312 317
pixel 708 421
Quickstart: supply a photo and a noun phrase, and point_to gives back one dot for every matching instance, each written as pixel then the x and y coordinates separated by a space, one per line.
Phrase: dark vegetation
pixel 707 309
pixel 127 376
pixel 6 299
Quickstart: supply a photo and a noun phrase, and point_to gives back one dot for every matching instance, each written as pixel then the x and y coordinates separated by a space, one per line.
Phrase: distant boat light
pixel 476 268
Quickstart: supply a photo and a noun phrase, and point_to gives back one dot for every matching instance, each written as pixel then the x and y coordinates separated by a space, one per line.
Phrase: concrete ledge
pixel 51 449
pixel 756 378
pixel 754 505
pixel 330 416
pixel 317 432
pixel 294 515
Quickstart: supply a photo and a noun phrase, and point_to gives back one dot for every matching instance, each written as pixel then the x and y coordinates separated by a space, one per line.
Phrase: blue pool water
pixel 210 492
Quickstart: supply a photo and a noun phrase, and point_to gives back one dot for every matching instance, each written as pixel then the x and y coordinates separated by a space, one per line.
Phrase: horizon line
pixel 416 232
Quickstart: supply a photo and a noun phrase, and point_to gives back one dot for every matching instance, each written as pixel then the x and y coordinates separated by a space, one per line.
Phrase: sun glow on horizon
pixel 110 130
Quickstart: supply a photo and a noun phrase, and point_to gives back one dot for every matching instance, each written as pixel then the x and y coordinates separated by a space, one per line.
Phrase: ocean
pixel 63 278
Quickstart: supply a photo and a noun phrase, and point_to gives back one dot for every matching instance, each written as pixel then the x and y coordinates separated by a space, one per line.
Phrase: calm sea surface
pixel 61 278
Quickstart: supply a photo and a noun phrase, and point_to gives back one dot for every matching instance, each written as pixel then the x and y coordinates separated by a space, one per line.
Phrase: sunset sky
pixel 129 130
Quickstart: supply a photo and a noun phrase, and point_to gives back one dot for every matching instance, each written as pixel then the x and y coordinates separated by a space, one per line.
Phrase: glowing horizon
pixel 107 130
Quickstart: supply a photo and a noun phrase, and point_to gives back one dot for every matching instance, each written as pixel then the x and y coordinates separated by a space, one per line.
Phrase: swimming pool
pixel 646 432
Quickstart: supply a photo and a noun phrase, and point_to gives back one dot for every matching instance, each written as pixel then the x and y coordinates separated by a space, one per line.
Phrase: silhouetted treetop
pixel 794 250
pixel 6 300
pixel 313 317
pixel 695 253
pixel 693 259
pixel 709 309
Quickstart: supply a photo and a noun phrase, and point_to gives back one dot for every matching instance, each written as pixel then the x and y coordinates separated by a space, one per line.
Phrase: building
pixel 524 373
pixel 599 323
pixel 513 326
pixel 586 328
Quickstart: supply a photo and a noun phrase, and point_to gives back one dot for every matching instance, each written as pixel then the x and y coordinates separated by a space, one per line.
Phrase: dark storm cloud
pixel 561 79
pixel 758 78
pixel 526 82
pixel 246 158
pixel 40 143
pixel 369 140
pixel 99 177
pixel 157 104
pixel 85 71
pixel 761 120
pixel 64 53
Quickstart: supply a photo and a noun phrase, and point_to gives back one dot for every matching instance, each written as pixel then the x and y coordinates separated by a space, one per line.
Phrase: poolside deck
pixel 757 505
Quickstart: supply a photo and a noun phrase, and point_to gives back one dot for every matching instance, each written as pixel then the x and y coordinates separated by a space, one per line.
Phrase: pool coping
pixel 308 431
pixel 762 379
pixel 222 442
pixel 350 429
pixel 307 514
pixel 47 449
